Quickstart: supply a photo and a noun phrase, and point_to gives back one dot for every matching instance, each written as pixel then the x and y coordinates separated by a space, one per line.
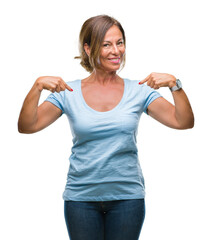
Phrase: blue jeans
pixel 105 220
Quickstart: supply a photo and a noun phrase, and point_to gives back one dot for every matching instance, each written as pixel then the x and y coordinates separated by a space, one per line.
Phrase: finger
pixel 57 89
pixel 156 87
pixel 52 90
pixel 67 87
pixel 144 80
pixel 152 84
pixel 62 86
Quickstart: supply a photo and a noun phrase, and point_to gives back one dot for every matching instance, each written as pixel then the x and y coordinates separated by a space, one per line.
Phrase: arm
pixel 178 116
pixel 33 118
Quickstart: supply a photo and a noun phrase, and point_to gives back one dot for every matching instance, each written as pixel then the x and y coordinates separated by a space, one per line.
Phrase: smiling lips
pixel 114 60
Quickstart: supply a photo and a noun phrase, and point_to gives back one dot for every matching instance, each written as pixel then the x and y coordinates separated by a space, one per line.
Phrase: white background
pixel 41 38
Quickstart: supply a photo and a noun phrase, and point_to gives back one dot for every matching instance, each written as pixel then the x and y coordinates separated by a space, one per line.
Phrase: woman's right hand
pixel 53 84
pixel 33 118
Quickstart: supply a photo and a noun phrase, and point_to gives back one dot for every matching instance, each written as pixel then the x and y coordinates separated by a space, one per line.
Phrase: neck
pixel 103 78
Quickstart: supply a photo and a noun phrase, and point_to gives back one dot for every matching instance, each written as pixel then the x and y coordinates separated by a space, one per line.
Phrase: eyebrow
pixel 117 40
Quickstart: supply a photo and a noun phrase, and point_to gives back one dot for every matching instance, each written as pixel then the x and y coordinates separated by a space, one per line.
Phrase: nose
pixel 115 49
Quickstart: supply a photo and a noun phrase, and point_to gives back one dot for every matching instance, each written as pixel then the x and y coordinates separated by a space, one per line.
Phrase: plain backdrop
pixel 40 38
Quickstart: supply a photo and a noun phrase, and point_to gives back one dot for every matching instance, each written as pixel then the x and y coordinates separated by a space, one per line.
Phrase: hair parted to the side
pixel 92 32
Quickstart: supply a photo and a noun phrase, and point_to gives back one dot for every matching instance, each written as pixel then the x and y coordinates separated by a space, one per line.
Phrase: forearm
pixel 183 111
pixel 28 114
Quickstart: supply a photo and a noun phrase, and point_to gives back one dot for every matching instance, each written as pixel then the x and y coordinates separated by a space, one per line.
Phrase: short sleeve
pixel 151 95
pixel 57 99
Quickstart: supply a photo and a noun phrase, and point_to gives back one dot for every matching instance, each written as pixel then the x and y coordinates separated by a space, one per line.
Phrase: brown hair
pixel 92 32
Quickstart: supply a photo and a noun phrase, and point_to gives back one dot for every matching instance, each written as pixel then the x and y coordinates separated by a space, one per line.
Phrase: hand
pixel 157 80
pixel 53 84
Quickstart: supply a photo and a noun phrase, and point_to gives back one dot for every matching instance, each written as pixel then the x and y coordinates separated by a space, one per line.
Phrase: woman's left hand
pixel 157 80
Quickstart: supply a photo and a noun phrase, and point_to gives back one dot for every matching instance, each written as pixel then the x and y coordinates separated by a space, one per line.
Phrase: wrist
pixel 172 83
pixel 39 85
pixel 177 86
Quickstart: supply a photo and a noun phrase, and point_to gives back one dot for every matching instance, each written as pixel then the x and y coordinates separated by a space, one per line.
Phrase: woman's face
pixel 112 49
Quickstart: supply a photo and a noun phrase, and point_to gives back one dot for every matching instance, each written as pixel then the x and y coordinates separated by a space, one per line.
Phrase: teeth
pixel 115 60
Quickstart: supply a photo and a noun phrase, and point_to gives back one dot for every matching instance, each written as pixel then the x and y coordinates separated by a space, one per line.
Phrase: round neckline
pixel 106 112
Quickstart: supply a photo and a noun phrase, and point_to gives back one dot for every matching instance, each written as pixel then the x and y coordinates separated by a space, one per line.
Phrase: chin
pixel 111 68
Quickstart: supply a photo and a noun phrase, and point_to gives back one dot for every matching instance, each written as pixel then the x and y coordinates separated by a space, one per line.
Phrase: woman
pixel 104 194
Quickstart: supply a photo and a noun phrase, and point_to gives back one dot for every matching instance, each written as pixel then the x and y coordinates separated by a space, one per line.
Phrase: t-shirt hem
pixel 105 198
pixel 55 103
pixel 152 100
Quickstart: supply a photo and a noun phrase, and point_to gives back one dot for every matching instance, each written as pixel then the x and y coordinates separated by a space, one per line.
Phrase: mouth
pixel 115 60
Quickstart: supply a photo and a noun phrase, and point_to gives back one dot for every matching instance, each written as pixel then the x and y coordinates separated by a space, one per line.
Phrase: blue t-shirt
pixel 104 162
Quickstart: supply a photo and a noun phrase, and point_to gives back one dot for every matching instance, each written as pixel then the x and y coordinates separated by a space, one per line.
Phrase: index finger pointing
pixel 69 88
pixel 143 81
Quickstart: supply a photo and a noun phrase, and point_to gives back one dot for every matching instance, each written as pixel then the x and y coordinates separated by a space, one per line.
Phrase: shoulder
pixel 134 84
pixel 131 83
pixel 73 82
pixel 142 91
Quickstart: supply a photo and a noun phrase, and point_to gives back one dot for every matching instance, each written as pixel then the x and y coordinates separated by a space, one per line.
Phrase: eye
pixel 106 45
pixel 120 43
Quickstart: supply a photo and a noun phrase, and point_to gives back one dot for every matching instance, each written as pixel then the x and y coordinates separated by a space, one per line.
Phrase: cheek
pixel 122 51
pixel 103 54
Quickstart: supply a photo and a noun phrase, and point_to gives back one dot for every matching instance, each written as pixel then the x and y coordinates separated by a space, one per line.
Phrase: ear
pixel 87 49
